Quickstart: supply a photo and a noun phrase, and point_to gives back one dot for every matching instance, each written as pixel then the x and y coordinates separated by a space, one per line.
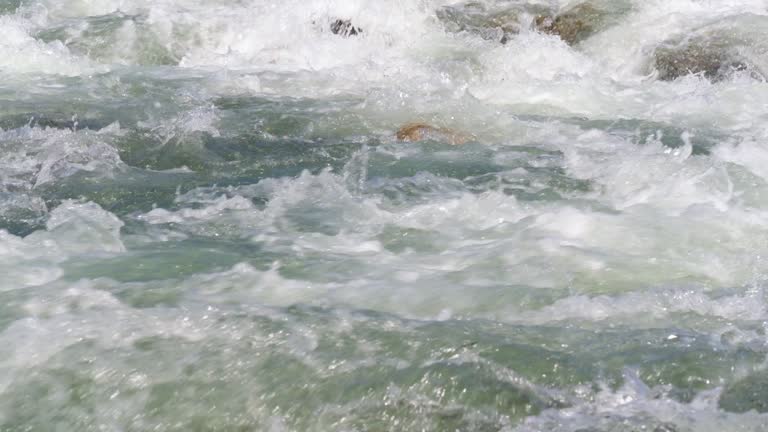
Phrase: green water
pixel 208 225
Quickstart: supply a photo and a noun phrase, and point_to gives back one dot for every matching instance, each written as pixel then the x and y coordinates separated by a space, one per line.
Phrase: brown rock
pixel 714 63
pixel 573 25
pixel 501 23
pixel 716 50
pixel 497 24
pixel 412 132
pixel 583 20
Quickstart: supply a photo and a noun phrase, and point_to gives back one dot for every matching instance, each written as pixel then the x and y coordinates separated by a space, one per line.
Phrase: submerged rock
pixel 572 25
pixel 413 132
pixel 581 21
pixel 715 63
pixel 344 28
pixel 495 24
pixel 715 51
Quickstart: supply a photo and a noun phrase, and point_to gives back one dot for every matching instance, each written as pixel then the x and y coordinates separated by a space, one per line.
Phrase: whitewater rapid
pixel 208 223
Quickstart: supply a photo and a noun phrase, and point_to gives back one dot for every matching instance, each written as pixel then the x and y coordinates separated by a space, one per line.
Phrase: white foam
pixel 34 156
pixel 405 55
pixel 636 405
pixel 73 229
pixel 651 236
pixel 223 204
pixel 693 230
pixel 651 306
pixel 185 123
pixel 21 53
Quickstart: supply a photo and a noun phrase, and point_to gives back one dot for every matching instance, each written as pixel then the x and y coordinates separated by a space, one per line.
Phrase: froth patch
pixel 38 156
pixel 20 53
pixel 73 229
pixel 652 306
pixel 187 215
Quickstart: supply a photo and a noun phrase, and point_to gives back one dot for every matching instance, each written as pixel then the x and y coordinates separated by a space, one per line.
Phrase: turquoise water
pixel 207 222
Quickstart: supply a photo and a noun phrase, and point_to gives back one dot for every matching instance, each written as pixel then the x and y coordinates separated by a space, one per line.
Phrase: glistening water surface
pixel 207 222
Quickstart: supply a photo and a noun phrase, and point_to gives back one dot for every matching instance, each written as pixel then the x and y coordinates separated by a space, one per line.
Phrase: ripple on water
pixel 208 220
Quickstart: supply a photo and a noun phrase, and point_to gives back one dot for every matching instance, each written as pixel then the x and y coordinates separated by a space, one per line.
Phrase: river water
pixel 207 223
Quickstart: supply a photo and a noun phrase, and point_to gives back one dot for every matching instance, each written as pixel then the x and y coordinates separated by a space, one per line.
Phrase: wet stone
pixel 572 26
pixel 345 28
pixel 714 63
pixel 413 132
pixel 579 22
pixel 715 51
pixel 497 24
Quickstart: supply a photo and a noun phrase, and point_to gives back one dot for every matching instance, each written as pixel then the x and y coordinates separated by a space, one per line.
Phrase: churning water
pixel 208 223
